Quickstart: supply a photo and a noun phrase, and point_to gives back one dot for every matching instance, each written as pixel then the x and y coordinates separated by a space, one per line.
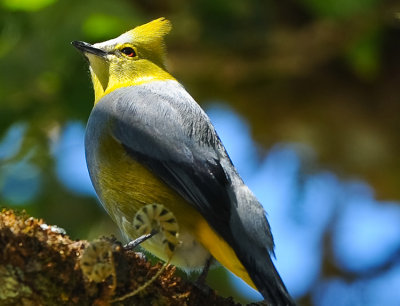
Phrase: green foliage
pixel 26 5
pixel 99 26
pixel 364 55
pixel 340 8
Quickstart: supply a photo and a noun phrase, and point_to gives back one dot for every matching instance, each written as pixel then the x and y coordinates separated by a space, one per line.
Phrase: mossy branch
pixel 41 265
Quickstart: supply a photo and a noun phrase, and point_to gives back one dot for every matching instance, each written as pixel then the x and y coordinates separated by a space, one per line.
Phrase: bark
pixel 41 265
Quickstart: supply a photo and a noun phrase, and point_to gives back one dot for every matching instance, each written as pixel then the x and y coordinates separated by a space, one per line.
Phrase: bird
pixel 157 162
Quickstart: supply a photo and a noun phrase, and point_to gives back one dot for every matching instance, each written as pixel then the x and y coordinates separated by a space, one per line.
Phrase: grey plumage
pixel 161 126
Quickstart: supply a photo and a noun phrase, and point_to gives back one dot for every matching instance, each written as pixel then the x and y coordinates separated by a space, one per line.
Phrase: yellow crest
pixel 152 31
pixel 149 38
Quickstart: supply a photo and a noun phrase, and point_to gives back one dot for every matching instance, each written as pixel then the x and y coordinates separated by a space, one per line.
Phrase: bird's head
pixel 133 58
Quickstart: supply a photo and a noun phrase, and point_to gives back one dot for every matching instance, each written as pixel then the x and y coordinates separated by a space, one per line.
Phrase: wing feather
pixel 154 130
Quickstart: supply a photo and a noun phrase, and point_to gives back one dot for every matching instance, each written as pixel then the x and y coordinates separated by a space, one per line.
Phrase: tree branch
pixel 41 265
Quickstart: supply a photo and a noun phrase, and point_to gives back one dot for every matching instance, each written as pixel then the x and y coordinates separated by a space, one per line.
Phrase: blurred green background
pixel 324 75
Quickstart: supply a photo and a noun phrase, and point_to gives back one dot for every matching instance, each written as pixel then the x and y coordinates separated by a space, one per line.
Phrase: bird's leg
pixel 160 220
pixel 134 243
pixel 201 280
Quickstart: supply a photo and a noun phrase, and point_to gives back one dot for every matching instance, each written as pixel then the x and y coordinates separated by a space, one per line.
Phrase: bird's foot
pixel 134 243
pixel 200 283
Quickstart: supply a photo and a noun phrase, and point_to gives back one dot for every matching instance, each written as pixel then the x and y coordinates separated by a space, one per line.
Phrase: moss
pixel 11 284
pixel 40 265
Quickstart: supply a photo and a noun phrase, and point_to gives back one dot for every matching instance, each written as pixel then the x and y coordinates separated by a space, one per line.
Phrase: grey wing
pixel 156 129
pixel 164 129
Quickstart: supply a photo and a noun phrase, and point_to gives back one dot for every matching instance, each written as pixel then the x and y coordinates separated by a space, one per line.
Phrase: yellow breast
pixel 125 186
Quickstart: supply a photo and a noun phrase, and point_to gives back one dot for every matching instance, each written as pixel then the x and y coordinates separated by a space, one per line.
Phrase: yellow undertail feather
pixel 221 251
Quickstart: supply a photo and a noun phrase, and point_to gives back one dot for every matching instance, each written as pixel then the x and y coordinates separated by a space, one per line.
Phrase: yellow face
pixel 133 58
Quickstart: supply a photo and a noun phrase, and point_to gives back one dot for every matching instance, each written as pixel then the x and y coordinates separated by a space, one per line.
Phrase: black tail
pixel 253 244
pixel 270 285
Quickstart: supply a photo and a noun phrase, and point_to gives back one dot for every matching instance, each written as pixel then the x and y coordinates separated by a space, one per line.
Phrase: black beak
pixel 88 48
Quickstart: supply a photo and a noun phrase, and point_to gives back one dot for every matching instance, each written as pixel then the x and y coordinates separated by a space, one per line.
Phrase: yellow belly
pixel 126 186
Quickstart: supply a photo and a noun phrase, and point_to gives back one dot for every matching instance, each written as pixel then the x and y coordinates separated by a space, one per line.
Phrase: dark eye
pixel 128 51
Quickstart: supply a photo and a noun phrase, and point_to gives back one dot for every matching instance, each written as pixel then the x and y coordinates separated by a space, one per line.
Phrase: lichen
pixel 41 266
pixel 11 284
